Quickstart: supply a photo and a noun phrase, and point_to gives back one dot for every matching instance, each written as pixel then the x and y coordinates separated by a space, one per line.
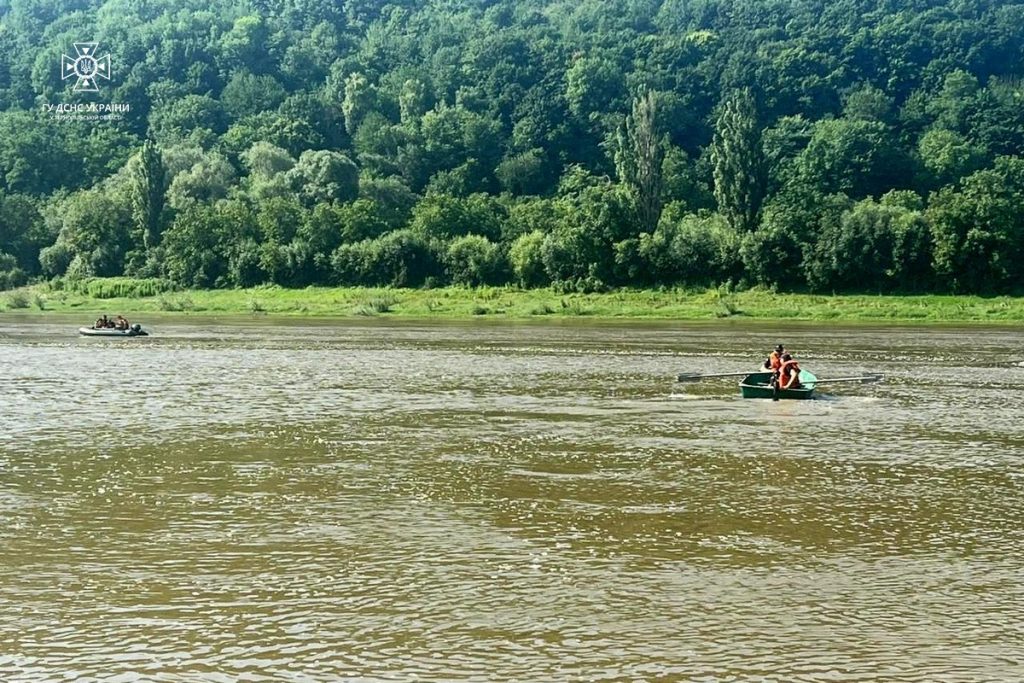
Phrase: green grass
pixel 139 297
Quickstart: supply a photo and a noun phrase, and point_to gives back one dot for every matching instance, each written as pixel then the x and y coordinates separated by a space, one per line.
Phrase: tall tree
pixel 739 164
pixel 148 191
pixel 639 154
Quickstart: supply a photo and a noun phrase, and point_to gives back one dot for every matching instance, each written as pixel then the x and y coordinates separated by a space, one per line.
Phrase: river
pixel 263 500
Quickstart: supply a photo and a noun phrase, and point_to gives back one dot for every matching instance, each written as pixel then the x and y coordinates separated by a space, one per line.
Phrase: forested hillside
pixel 833 146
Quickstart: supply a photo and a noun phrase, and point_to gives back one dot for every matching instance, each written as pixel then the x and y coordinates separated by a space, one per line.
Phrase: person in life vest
pixel 789 373
pixel 774 361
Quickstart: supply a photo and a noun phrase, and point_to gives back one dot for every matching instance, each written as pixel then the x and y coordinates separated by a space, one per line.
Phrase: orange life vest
pixel 785 371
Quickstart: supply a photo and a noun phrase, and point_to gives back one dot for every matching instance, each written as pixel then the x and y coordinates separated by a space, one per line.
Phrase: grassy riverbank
pixel 119 295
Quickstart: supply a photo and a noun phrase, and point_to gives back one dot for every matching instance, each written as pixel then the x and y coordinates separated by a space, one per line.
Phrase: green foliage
pixel 639 157
pixel 247 94
pixel 526 173
pixel 878 246
pixel 23 232
pixel 526 258
pixel 977 230
pixel 210 178
pixel 148 177
pixel 94 228
pixel 473 260
pixel 119 287
pixel 274 141
pixel 440 216
pixel 947 156
pixel 692 250
pixel 398 259
pixel 11 275
pixel 195 253
pixel 739 162
pixel 858 158
pixel 360 100
pixel 592 84
pixel 774 255
pixel 18 300
pixel 324 176
pixel 193 117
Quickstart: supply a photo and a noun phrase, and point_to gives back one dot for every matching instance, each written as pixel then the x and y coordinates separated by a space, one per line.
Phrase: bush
pixel 696 250
pixel 875 245
pixel 542 309
pixel 176 304
pixel 580 285
pixel 526 257
pixel 17 299
pixel 11 274
pixel 397 259
pixel 473 261
pixel 119 287
pixel 382 305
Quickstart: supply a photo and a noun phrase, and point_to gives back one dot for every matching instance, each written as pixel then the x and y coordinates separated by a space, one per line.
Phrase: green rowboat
pixel 758 385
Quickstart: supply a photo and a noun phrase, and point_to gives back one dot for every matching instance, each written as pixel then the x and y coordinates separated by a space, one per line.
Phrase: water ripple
pixel 394 502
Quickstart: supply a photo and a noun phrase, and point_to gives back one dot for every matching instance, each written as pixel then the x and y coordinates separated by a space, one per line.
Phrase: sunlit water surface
pixel 383 501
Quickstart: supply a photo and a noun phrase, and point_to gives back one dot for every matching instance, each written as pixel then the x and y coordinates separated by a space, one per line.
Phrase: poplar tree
pixel 149 187
pixel 739 166
pixel 639 154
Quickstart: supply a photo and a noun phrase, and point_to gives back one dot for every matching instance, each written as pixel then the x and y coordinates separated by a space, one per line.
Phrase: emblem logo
pixel 86 67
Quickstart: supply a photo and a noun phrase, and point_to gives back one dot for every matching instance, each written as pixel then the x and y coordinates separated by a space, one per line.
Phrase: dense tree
pixel 473 260
pixel 148 189
pixel 739 164
pixel 856 157
pixel 324 176
pixel 692 249
pixel 884 244
pixel 207 180
pixel 978 233
pixel 640 155
pixel 854 145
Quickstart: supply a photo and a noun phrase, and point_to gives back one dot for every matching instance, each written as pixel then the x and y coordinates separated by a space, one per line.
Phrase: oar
pixel 693 377
pixel 865 379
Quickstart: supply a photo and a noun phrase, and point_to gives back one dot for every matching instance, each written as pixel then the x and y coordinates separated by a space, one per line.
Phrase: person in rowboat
pixel 789 373
pixel 774 361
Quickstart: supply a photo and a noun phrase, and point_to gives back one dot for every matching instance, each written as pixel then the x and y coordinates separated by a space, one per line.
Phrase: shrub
pixel 542 309
pixel 121 287
pixel 473 260
pixel 382 305
pixel 11 275
pixel 397 259
pixel 17 299
pixel 176 304
pixel 526 257
pixel 694 250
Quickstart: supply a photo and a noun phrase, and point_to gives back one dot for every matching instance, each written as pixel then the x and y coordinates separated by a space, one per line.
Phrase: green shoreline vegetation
pixel 591 146
pixel 137 297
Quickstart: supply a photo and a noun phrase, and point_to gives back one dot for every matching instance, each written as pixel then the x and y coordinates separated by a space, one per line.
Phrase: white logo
pixel 86 67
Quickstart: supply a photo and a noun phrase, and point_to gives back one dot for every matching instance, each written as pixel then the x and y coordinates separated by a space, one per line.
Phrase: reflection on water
pixel 384 501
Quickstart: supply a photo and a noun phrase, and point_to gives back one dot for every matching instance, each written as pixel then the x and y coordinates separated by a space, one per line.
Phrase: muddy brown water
pixel 398 501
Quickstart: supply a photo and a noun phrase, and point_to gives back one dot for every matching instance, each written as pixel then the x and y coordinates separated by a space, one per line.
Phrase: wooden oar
pixel 865 379
pixel 693 377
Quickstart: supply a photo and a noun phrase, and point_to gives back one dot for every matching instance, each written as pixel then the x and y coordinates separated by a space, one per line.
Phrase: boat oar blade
pixel 694 377
pixel 863 380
